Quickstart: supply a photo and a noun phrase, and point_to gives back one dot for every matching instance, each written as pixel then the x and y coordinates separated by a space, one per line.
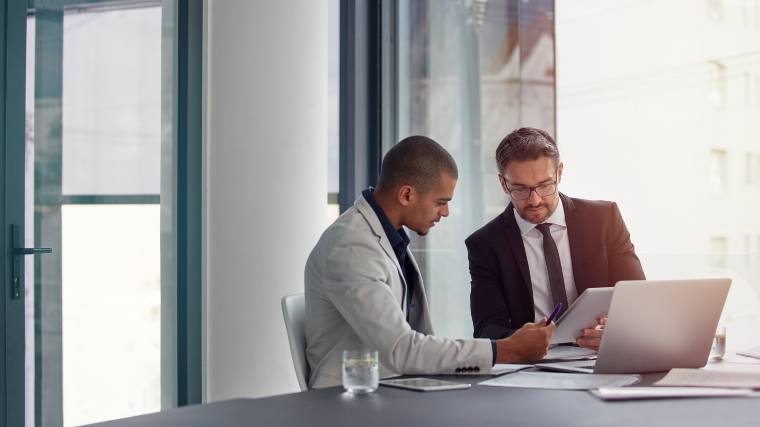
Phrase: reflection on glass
pixel 658 121
pixel 469 73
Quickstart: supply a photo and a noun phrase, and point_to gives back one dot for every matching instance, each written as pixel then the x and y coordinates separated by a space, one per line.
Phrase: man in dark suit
pixel 545 247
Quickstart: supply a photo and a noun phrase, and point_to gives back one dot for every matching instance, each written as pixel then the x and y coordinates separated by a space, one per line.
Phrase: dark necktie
pixel 553 266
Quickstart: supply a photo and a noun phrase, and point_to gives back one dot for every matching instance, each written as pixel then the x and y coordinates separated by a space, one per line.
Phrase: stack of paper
pixel 507 368
pixel 637 393
pixel 710 378
pixel 567 353
pixel 561 381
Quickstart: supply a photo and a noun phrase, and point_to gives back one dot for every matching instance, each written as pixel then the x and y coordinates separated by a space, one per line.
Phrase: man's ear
pixel 406 195
pixel 503 183
pixel 559 171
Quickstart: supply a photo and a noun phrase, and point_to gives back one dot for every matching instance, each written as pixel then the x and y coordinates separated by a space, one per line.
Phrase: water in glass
pixel 360 371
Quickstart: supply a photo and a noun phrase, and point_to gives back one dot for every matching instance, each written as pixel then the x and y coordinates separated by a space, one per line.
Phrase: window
pixel 750 172
pixel 748 95
pixel 747 15
pixel 641 118
pixel 720 86
pixel 718 250
pixel 643 121
pixel 715 9
pixel 718 178
pixel 93 184
pixel 468 73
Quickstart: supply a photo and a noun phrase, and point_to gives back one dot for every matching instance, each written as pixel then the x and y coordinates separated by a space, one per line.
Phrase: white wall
pixel 266 174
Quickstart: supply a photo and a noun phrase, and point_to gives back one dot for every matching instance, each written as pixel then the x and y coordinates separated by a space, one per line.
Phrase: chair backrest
pixel 293 307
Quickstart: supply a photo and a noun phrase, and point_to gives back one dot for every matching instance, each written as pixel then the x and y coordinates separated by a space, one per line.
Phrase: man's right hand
pixel 529 343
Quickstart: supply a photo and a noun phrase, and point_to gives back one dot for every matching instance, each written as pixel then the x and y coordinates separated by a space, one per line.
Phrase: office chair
pixel 293 307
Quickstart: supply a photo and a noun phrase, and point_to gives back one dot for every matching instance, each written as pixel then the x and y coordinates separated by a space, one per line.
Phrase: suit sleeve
pixel 356 281
pixel 488 307
pixel 623 262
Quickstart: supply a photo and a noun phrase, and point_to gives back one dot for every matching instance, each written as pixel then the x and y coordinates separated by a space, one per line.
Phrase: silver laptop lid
pixel 654 326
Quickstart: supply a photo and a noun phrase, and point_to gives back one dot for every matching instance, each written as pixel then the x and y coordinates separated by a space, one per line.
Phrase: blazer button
pixel 477 369
pixel 458 370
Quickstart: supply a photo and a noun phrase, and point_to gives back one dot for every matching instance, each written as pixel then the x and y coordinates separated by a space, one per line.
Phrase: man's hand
pixel 592 337
pixel 531 342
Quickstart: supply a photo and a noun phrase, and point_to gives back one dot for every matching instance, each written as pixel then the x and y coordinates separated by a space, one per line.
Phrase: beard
pixel 544 209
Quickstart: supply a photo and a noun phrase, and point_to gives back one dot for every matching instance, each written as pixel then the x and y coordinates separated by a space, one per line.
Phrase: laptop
pixel 654 326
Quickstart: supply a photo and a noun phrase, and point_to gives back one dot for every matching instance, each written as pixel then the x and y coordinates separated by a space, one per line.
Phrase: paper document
pixel 566 352
pixel 561 381
pixel 680 377
pixel 635 393
pixel 753 352
pixel 507 368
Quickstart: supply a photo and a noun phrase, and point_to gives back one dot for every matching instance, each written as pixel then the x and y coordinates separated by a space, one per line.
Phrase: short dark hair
pixel 526 144
pixel 417 161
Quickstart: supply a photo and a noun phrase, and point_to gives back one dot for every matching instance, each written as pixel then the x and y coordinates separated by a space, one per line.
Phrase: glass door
pixel 91 194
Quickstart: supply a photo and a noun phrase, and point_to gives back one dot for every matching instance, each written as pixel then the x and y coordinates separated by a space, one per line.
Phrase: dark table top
pixel 477 406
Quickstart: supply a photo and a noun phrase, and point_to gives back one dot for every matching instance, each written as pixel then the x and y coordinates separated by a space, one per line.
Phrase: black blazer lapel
pixel 574 233
pixel 518 249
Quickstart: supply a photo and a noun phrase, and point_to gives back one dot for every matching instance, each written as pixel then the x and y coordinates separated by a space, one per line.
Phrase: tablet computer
pixel 582 314
pixel 424 384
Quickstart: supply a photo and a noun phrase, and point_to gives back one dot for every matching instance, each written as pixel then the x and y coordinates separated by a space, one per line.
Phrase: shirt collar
pixel 556 218
pixel 398 238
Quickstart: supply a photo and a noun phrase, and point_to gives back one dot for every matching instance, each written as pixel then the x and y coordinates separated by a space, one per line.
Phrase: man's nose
pixel 534 198
pixel 445 210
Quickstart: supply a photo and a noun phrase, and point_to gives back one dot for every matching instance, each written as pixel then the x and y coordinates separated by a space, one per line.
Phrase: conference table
pixel 478 406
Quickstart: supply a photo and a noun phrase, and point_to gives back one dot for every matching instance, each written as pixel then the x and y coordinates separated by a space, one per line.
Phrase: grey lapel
pixel 368 213
pixel 420 320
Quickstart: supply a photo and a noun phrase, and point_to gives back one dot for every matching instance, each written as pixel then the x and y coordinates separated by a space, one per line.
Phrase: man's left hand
pixel 591 338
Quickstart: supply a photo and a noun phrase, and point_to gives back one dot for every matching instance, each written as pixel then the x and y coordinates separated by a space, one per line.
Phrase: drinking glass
pixel 718 349
pixel 360 371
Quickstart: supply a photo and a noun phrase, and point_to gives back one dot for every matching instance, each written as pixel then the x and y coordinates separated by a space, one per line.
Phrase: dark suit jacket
pixel 501 297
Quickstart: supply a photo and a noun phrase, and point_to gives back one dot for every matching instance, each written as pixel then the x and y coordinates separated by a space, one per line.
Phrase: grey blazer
pixel 355 292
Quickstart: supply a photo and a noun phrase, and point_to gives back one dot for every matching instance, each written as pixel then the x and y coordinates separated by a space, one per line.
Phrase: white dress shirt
pixel 543 303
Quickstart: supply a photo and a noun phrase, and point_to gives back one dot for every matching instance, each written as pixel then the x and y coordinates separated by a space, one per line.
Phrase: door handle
pixel 18 251
pixel 31 251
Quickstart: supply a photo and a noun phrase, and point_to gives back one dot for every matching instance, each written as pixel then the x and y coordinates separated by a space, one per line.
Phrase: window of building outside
pixel 718 173
pixel 636 123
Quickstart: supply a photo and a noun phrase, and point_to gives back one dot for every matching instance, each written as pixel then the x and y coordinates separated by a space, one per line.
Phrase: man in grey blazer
pixel 364 290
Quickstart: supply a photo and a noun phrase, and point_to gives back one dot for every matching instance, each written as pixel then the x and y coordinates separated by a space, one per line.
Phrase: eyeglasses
pixel 523 193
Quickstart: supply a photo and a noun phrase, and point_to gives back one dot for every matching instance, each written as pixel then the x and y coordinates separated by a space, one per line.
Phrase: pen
pixel 555 313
